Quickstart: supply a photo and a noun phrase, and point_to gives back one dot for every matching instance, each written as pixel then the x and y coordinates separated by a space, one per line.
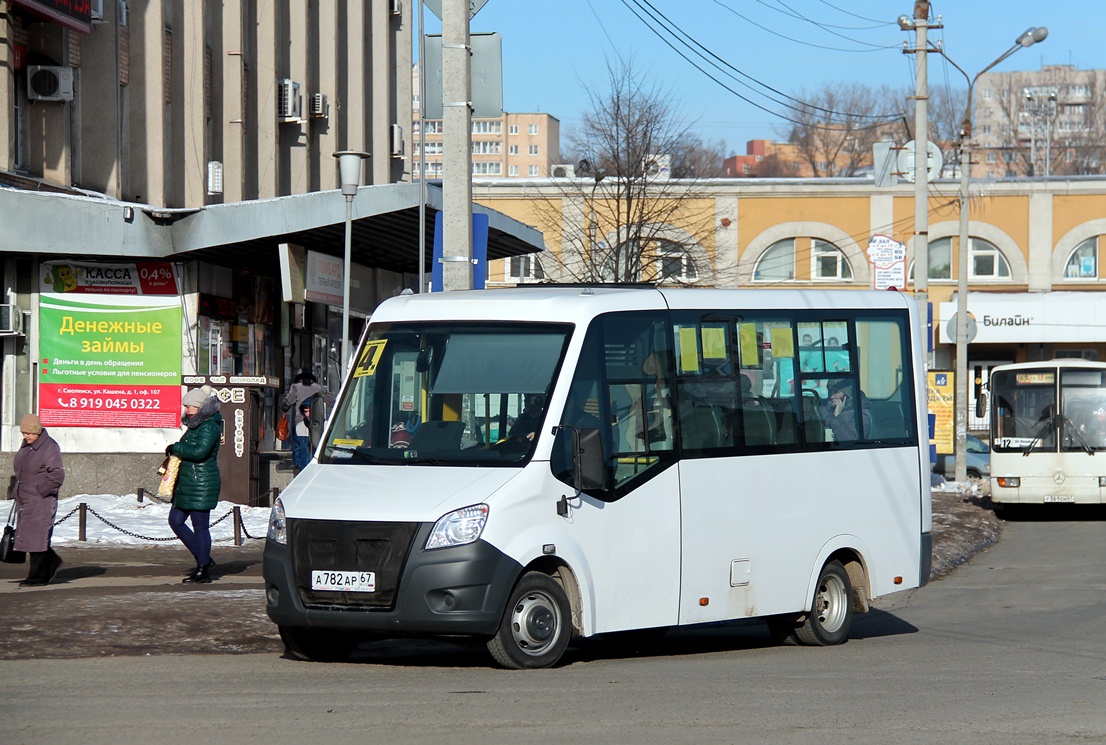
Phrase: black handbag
pixel 8 554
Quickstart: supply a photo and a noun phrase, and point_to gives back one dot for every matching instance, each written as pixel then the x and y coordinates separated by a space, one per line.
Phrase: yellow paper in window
pixel 714 343
pixel 689 350
pixel 782 343
pixel 747 334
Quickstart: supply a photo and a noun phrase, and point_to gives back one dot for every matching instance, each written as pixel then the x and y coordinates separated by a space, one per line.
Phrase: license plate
pixel 1059 498
pixel 343 581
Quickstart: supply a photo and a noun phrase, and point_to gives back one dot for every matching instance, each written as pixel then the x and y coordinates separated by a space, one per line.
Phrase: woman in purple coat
pixel 39 474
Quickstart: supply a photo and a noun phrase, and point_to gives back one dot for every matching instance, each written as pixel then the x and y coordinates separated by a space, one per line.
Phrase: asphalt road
pixel 1007 649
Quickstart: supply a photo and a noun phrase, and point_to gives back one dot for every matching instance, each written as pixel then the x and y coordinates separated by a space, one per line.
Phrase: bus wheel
pixel 536 626
pixel 313 645
pixel 831 613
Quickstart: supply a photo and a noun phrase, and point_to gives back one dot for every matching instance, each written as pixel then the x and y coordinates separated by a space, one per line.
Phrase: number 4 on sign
pixel 370 358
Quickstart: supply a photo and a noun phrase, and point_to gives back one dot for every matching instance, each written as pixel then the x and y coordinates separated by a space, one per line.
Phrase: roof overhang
pixel 385 228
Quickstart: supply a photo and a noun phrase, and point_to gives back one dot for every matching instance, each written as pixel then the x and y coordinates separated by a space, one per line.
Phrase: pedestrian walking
pixel 39 474
pixel 197 489
pixel 304 387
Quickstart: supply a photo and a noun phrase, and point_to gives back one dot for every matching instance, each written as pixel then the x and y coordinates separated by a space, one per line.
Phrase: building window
pixel 533 129
pixel 674 262
pixel 533 150
pixel 512 170
pixel 493 127
pixel 526 269
pixel 434 126
pixel 487 147
pixel 533 171
pixel 512 129
pixel 1083 262
pixel 829 262
pixel 492 168
pixel 986 261
pixel 512 150
pixel 991 158
pixel 777 264
pixel 940 260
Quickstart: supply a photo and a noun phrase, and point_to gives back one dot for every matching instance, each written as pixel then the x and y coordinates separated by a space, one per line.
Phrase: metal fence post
pixel 83 522
pixel 237 526
pixel 140 493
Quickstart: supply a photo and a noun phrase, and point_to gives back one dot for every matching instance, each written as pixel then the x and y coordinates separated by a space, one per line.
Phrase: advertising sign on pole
pixel 888 258
pixel 942 395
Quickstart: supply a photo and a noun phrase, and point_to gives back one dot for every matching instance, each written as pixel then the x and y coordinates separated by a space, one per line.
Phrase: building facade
pixel 511 146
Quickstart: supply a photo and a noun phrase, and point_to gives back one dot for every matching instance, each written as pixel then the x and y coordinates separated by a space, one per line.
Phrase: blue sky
pixel 553 50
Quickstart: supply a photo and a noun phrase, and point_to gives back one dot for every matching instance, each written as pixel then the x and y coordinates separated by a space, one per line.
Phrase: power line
pixel 875 47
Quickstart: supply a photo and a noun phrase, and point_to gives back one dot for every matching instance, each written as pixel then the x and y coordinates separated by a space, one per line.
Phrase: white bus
pixel 671 467
pixel 1048 432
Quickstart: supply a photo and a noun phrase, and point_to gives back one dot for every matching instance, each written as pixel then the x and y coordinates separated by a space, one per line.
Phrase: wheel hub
pixel 534 622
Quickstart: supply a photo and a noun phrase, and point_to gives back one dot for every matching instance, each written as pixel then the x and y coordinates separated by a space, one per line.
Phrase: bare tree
pixel 626 217
pixel 835 127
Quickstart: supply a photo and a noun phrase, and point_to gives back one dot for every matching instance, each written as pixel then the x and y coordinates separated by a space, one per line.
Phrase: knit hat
pixel 31 425
pixel 194 397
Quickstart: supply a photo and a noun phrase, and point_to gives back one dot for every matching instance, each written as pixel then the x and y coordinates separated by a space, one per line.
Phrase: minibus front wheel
pixel 536 626
pixel 831 613
pixel 315 645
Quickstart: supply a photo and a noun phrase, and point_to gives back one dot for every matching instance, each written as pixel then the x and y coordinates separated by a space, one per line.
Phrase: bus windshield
pixel 1049 409
pixel 447 394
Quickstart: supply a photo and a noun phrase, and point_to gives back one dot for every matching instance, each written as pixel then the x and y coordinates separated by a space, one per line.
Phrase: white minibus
pixel 524 466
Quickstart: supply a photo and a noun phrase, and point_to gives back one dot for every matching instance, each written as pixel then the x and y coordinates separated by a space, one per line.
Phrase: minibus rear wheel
pixel 314 645
pixel 536 626
pixel 831 613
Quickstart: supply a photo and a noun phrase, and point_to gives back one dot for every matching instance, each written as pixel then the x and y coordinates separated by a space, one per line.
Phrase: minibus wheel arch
pixel 858 577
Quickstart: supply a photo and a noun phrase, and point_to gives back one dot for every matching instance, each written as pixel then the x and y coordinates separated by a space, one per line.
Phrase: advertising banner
pixel 109 360
pixel 143 278
pixel 942 398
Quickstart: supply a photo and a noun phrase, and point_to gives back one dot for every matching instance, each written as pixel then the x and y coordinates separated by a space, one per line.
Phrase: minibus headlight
pixel 458 528
pixel 278 526
pixel 1009 482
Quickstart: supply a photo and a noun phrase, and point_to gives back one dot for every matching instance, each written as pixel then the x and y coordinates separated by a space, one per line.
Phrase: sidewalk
pixel 99 566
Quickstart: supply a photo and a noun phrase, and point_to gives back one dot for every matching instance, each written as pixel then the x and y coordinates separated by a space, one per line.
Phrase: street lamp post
pixel 349 175
pixel 1029 38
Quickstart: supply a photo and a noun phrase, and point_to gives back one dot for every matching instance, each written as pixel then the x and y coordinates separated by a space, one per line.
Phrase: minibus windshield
pixel 470 394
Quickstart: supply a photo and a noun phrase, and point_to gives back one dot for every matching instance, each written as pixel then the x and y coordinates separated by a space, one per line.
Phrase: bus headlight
pixel 278 526
pixel 1009 482
pixel 458 528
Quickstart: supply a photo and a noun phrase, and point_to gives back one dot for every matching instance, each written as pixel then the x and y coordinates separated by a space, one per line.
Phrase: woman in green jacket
pixel 197 489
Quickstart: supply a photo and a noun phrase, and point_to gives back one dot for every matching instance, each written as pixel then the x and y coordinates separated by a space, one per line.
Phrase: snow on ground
pixel 145 520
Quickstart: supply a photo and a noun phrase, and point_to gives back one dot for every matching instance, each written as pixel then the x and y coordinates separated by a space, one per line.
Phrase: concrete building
pixel 168 166
pixel 1047 122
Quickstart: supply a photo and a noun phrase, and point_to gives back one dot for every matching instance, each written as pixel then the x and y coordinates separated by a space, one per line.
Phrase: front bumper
pixel 458 591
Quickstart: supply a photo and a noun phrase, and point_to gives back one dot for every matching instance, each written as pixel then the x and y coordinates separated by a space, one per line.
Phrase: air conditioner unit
pixel 319 106
pixel 49 83
pixel 563 170
pixel 11 320
pixel 96 11
pixel 658 166
pixel 289 101
pixel 397 141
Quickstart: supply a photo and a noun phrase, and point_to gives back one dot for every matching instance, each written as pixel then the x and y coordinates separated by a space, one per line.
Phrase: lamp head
pixel 906 23
pixel 1032 35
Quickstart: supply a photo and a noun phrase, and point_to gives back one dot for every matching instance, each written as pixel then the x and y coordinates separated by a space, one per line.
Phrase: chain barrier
pixel 110 524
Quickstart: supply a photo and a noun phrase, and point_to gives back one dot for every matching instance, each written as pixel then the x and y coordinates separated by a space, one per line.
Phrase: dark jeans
pixel 301 452
pixel 198 539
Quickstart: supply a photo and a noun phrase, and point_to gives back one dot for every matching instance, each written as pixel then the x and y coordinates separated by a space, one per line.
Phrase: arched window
pixel 777 263
pixel 986 261
pixel 829 262
pixel 526 268
pixel 1083 261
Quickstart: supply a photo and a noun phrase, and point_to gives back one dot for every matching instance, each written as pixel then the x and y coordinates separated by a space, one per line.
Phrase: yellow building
pixel 1035 272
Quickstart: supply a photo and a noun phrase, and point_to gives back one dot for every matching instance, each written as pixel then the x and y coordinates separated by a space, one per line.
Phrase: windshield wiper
pixel 1075 432
pixel 1049 423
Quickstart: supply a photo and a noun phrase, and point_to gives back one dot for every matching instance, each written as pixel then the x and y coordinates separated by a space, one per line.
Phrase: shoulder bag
pixel 8 554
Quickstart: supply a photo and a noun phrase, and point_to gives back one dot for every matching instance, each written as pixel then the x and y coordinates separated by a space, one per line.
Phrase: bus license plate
pixel 1059 498
pixel 343 581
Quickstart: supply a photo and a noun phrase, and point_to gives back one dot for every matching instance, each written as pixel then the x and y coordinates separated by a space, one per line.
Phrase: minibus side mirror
pixel 588 469
pixel 319 412
pixel 981 405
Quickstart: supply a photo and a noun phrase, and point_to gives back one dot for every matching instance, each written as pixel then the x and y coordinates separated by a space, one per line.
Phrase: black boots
pixel 209 566
pixel 198 576
pixel 44 565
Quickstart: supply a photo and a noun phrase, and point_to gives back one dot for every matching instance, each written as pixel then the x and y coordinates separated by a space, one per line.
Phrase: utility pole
pixel 920 26
pixel 457 143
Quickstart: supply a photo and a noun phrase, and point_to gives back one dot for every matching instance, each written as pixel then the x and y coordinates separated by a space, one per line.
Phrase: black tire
pixel 831 612
pixel 784 629
pixel 536 626
pixel 314 645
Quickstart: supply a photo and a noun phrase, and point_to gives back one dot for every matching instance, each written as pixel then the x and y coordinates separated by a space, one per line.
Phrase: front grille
pixel 328 545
